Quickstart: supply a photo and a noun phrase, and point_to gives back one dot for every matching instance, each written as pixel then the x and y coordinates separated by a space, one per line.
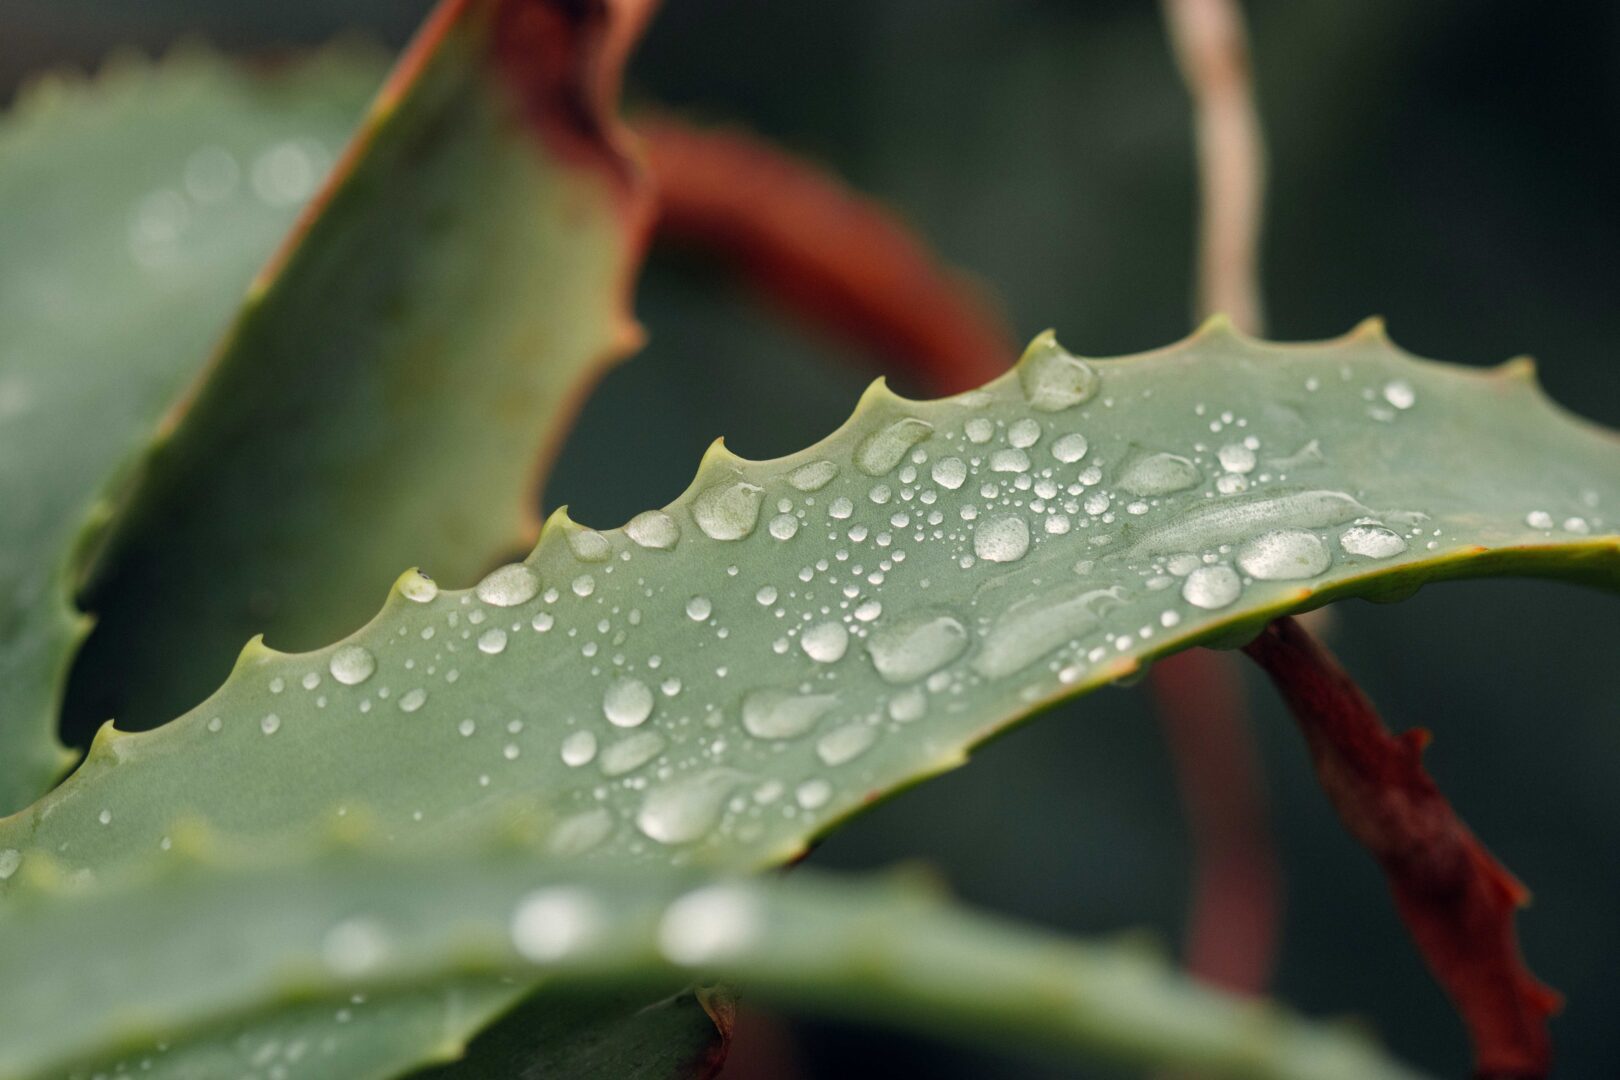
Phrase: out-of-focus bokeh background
pixel 1453 167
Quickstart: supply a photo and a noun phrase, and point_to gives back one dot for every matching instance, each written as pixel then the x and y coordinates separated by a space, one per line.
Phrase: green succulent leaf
pixel 348 931
pixel 413 351
pixel 138 206
pixel 724 679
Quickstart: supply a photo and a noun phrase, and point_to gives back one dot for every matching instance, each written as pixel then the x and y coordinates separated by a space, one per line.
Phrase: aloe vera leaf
pixel 135 208
pixel 412 353
pixel 345 922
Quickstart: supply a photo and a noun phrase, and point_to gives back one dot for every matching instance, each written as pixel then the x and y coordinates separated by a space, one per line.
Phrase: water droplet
pixel 1538 519
pixel 492 641
pixel 10 859
pixel 653 529
pixel 1070 448
pixel 1372 541
pixel 105 817
pixel 413 700
pixel 1035 625
pixel 550 923
pixel 840 508
pixel 1001 539
pixel 699 608
pixel 352 665
pixel 766 595
pixel 710 924
pixel 1053 378
pixel 1399 393
pixel 582 832
pixel 216 723
pixel 882 450
pixel 813 794
pixel 1577 525
pixel 1024 433
pixel 466 728
pixel 583 586
pixel 869 610
pixel 588 545
pixel 814 476
pixel 727 511
pixel 627 702
pixel 783 714
pixel 949 472
pixel 845 744
pixel 543 621
pixel 1284 555
pixel 784 526
pixel 1009 461
pixel 510 585
pixel 909 649
pixel 578 748
pixel 354 947
pixel 1225 521
pixel 270 724
pixel 685 810
pixel 417 586
pixel 631 752
pixel 825 643
pixel 1159 474
pixel 1211 587
pixel 1236 458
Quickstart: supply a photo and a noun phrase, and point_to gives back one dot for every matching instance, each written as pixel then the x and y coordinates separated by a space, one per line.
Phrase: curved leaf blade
pixel 134 210
pixel 348 923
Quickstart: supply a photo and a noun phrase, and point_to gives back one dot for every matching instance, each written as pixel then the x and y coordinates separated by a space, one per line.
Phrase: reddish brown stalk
pixel 1453 895
pixel 838 260
pixel 1236 890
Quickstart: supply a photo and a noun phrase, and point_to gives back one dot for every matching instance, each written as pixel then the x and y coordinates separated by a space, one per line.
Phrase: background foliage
pixel 1450 167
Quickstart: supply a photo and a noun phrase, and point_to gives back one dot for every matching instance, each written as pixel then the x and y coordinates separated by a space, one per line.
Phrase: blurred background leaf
pixel 1450 167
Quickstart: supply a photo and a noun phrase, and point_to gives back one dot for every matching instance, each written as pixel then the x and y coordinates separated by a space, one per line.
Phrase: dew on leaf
pixel 825 642
pixel 1054 379
pixel 1001 539
pixel 1036 625
pixel 631 752
pixel 492 641
pixel 845 744
pixel 1211 587
pixel 1371 541
pixel 1070 448
pixel 709 924
pixel 911 648
pixel 882 450
pixel 417 586
pixel 509 585
pixel 653 529
pixel 682 811
pixel 352 665
pixel 588 545
pixel 1159 474
pixel 783 714
pixel 627 702
pixel 578 748
pixel 813 476
pixel 1284 555
pixel 728 510
pixel 550 923
pixel 949 472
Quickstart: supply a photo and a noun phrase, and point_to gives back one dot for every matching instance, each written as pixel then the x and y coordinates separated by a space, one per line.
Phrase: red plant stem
pixel 838 260
pixel 1453 895
pixel 1234 913
pixel 842 263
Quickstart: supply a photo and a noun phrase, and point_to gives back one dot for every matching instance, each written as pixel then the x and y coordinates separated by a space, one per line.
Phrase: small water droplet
pixel 1538 519
pixel 550 923
pixel 882 450
pixel 1371 541
pixel 825 643
pixel 699 608
pixel 814 476
pixel 845 744
pixel 813 794
pixel 909 649
pixel 949 473
pixel 417 586
pixel 979 430
pixel 727 511
pixel 1211 587
pixel 583 586
pixel 1009 461
pixel 1053 378
pixel 631 752
pixel 1237 458
pixel 684 810
pixel 10 859
pixel 766 595
pixel 492 641
pixel 270 724
pixel 1070 448
pixel 352 665
pixel 1399 393
pixel 653 529
pixel 784 526
pixel 627 702
pixel 578 748
pixel 1284 555
pixel 466 728
pixel 1001 539
pixel 783 714
pixel 510 585
pixel 354 947
pixel 413 700
pixel 105 817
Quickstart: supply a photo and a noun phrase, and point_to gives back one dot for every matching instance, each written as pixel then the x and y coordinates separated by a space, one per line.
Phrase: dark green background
pixel 1450 166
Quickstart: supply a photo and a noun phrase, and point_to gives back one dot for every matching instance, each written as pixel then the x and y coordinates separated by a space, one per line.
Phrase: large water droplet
pixel 509 586
pixel 825 642
pixel 1284 555
pixel 685 810
pixel 1070 448
pixel 588 545
pixel 653 529
pixel 578 748
pixel 949 472
pixel 1212 587
pixel 631 752
pixel 1159 474
pixel 627 702
pixel 846 743
pixel 352 665
pixel 814 476
pixel 550 923
pixel 1001 539
pixel 908 649
pixel 417 586
pixel 492 641
pixel 1372 541
pixel 783 714
pixel 1035 625
pixel 727 511
pixel 882 450
pixel 1053 378
pixel 1225 521
pixel 710 924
